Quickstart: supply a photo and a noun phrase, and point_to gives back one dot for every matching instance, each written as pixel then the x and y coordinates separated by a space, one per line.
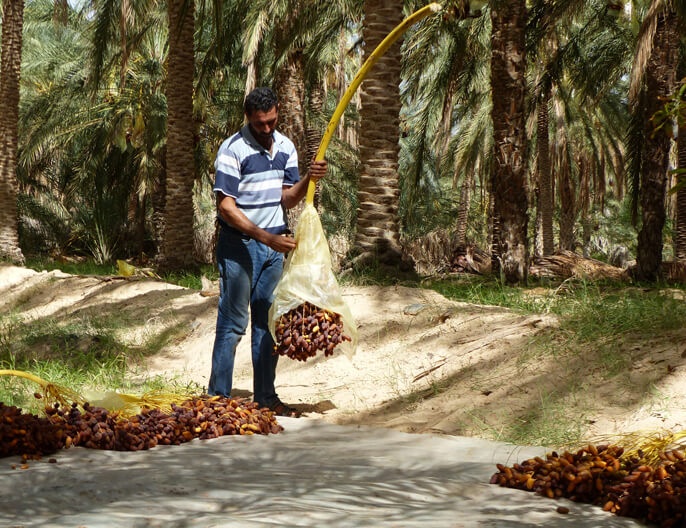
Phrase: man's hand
pixel 292 195
pixel 317 169
pixel 281 243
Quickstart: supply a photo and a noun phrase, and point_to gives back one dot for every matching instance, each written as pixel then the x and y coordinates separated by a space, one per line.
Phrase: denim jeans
pixel 248 274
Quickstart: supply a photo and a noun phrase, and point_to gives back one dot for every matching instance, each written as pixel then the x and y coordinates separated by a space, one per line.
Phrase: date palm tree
pixel 60 12
pixel 680 228
pixel 177 247
pixel 88 169
pixel 680 213
pixel 378 229
pixel 178 175
pixel 653 79
pixel 12 23
pixel 510 252
pixel 448 129
pixel 577 66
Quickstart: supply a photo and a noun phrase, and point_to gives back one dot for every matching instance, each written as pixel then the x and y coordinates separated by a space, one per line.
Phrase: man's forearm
pixel 237 219
pixel 292 195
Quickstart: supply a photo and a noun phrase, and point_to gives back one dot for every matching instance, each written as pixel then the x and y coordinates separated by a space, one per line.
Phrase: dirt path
pixel 423 363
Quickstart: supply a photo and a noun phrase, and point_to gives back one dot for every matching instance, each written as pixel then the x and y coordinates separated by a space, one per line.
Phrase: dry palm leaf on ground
pixel 567 264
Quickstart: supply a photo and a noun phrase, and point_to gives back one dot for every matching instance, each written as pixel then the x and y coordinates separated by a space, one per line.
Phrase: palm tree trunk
pixel 660 81
pixel 344 131
pixel 378 226
pixel 290 89
pixel 680 229
pixel 587 182
pixel 545 195
pixel 177 248
pixel 60 13
pixel 447 114
pixel 463 209
pixel 10 69
pixel 538 224
pixel 510 254
pixel 314 127
pixel 567 209
pixel 680 209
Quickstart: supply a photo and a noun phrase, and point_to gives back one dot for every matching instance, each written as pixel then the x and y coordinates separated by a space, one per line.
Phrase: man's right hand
pixel 281 243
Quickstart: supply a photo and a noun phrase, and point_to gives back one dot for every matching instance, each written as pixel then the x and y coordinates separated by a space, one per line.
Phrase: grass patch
pixel 594 314
pixel 76 267
pixel 597 324
pixel 371 275
pixel 488 291
pixel 547 421
pixel 549 424
pixel 600 320
pixel 191 280
pixel 603 315
pixel 186 279
pixel 80 355
pixel 87 353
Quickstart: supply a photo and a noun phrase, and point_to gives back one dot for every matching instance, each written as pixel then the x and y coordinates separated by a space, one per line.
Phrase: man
pixel 256 180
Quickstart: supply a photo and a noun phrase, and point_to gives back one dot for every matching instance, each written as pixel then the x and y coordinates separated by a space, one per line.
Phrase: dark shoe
pixel 281 409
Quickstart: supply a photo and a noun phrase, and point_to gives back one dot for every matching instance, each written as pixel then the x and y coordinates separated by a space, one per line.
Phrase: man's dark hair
pixel 260 99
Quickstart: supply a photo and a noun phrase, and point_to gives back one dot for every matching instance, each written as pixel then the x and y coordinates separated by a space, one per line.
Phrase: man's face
pixel 262 125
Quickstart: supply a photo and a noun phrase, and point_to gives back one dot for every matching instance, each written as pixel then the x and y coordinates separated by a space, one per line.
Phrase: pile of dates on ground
pixel 31 436
pixel 628 486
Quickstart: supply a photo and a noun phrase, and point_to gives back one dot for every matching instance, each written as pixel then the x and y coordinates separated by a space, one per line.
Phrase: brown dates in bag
pixel 306 330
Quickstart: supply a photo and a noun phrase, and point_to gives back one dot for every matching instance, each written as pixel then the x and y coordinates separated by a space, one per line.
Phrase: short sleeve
pixel 227 171
pixel 291 175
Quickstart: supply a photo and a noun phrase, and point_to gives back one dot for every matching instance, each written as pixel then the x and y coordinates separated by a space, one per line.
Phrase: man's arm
pixel 232 215
pixel 292 195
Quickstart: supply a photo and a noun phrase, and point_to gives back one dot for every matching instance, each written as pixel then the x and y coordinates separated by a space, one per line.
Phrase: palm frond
pixel 644 48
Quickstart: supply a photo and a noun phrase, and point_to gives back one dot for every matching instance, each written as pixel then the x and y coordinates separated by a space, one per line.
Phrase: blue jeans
pixel 248 274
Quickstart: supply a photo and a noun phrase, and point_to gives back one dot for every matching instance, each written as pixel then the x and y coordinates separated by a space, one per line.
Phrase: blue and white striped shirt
pixel 253 176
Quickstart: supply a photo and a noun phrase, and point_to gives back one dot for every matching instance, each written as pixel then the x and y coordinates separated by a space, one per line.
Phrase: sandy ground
pixel 424 364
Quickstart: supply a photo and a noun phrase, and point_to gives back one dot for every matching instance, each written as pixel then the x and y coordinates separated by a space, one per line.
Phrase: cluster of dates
pixel 305 330
pixel 97 428
pixel 26 434
pixel 599 475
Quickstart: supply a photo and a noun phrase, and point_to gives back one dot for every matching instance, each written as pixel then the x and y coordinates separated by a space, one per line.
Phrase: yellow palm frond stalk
pixel 51 393
pixel 648 446
pixel 125 405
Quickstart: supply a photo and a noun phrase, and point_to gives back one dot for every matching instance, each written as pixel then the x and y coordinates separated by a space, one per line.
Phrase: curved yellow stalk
pixel 125 404
pixel 371 60
pixel 51 391
pixel 26 375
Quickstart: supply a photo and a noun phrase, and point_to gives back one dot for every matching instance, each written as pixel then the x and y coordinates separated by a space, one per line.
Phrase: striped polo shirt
pixel 253 176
